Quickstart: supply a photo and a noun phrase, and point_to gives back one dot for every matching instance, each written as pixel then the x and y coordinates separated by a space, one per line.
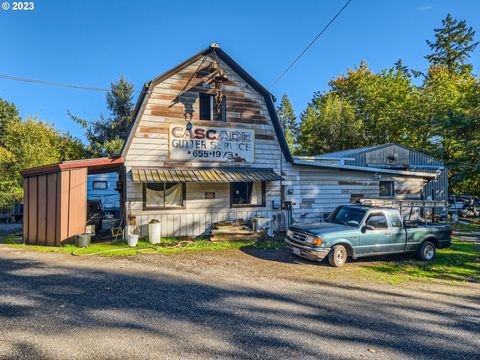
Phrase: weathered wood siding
pixel 316 191
pixel 166 105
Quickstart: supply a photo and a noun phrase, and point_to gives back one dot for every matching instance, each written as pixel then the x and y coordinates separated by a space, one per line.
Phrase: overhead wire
pixel 58 84
pixel 309 45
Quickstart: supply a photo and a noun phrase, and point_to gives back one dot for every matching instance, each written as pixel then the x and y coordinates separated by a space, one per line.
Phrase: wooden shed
pixel 55 199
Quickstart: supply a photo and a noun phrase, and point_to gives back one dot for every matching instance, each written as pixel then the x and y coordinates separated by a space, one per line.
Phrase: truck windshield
pixel 347 216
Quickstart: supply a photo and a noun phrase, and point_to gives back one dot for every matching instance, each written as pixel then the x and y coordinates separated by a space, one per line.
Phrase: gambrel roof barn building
pixel 206 145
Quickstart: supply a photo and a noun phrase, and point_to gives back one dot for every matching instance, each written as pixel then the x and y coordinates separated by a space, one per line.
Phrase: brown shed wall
pixel 55 206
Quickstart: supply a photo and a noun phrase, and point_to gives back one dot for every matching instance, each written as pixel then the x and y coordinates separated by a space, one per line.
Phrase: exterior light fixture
pixel 188 119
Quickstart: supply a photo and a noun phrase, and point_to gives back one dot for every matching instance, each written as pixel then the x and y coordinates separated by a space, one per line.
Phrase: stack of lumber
pixel 231 231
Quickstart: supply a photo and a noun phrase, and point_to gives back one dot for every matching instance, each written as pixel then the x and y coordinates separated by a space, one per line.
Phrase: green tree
pixel 449 123
pixel 8 113
pixel 453 45
pixel 10 188
pixel 107 135
pixel 289 121
pixel 31 143
pixel 329 124
pixel 383 102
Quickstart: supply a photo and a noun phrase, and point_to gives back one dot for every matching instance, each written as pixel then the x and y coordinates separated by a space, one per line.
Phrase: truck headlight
pixel 314 240
pixel 290 233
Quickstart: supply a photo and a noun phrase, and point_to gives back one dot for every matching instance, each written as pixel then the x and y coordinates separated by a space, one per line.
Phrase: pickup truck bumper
pixel 307 252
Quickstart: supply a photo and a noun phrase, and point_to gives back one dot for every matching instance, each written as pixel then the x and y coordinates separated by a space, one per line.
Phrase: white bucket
pixel 154 231
pixel 132 240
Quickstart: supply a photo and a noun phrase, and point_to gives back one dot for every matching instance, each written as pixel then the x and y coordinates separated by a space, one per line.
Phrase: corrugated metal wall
pixel 417 161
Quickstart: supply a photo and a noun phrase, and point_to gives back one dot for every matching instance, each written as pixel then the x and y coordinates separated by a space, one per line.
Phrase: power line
pixel 309 45
pixel 53 83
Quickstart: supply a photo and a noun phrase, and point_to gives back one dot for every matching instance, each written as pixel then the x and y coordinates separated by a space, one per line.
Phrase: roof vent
pixel 214 45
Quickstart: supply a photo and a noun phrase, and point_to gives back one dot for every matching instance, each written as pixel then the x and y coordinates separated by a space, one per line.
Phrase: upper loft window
pixel 208 108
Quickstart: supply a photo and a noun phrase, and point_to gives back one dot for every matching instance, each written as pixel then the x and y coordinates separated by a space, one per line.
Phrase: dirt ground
pixel 229 304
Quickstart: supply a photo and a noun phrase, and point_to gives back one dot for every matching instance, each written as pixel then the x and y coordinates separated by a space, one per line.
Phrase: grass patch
pixel 459 263
pixel 471 226
pixel 167 245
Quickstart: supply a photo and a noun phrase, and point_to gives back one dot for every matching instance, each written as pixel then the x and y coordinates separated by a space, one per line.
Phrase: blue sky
pixel 92 43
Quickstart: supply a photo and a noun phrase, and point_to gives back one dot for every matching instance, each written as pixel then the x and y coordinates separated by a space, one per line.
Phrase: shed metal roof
pixel 204 175
pixel 93 165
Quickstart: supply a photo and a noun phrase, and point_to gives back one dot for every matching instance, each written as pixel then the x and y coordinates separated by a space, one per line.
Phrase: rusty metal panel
pixel 42 210
pixel 51 208
pixel 63 208
pixel 78 202
pixel 32 201
pixel 26 207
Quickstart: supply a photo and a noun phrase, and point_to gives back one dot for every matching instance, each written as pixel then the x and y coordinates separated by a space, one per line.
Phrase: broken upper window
pixel 209 110
pixel 206 106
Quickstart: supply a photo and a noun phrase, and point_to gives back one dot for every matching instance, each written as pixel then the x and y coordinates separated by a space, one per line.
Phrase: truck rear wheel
pixel 338 256
pixel 426 251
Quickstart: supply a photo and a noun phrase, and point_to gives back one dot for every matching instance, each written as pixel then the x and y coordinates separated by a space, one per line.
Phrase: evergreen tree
pixel 289 121
pixel 106 136
pixel 453 45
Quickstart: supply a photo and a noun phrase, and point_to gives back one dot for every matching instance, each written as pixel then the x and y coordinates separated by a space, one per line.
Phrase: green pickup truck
pixel 356 231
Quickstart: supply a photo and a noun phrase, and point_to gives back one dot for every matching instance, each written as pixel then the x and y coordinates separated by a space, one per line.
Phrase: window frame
pixel 144 197
pixel 211 98
pixel 378 214
pixel 393 188
pixel 99 181
pixel 262 204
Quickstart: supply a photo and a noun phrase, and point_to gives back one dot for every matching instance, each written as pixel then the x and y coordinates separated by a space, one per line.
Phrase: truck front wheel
pixel 426 251
pixel 338 256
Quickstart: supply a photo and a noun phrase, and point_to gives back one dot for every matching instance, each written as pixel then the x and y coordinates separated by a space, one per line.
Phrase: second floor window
pixel 209 110
pixel 207 106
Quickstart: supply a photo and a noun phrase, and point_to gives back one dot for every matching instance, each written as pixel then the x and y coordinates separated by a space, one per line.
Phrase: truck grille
pixel 297 237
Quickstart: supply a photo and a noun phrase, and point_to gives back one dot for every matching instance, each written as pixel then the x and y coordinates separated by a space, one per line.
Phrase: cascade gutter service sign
pixel 205 143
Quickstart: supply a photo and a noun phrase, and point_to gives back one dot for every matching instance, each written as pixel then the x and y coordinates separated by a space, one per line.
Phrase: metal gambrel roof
pixel 204 175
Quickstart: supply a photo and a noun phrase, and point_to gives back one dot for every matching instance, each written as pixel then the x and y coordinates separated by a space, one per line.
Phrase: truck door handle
pixel 387 234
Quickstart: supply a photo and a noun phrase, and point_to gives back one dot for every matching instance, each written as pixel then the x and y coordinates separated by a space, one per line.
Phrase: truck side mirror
pixel 367 227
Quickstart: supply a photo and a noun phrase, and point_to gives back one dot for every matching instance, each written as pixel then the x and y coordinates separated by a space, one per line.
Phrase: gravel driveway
pixel 224 304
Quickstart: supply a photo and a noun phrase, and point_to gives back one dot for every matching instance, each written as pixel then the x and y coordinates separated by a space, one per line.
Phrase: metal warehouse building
pixel 396 156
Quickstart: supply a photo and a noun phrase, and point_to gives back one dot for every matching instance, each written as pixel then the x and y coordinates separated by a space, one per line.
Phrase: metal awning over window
pixel 204 175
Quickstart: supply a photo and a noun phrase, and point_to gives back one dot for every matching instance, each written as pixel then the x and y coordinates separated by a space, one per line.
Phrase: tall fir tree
pixel 289 122
pixel 106 136
pixel 453 45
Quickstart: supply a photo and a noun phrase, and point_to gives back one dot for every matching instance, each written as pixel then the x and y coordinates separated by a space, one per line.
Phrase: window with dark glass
pixel 378 221
pixel 99 185
pixel 396 221
pixel 206 106
pixel 163 195
pixel 247 194
pixel 386 189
